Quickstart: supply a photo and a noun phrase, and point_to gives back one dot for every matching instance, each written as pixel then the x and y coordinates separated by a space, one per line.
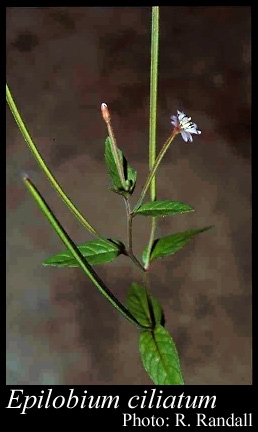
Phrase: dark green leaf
pixel 163 208
pixel 129 172
pixel 138 305
pixel 160 358
pixel 96 252
pixel 168 245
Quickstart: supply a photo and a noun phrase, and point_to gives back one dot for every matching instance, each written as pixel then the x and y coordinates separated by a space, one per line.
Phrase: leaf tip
pixel 209 227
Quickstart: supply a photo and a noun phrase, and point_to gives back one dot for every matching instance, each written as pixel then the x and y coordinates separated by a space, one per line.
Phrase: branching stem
pixel 129 252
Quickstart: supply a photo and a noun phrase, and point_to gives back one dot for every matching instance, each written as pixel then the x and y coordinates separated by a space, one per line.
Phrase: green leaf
pixel 168 245
pixel 163 208
pixel 96 252
pixel 86 267
pixel 129 172
pixel 160 358
pixel 138 306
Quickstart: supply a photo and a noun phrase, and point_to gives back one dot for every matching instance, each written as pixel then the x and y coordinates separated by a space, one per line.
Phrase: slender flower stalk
pixel 154 169
pixel 183 125
pixel 107 119
pixel 42 164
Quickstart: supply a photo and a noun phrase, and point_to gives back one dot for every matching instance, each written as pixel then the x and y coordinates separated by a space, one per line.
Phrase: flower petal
pixel 192 129
pixel 181 115
pixel 185 126
pixel 185 135
pixel 174 121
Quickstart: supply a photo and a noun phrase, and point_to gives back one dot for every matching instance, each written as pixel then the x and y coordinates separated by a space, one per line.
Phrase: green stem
pixel 129 252
pixel 77 254
pixel 153 114
pixel 153 95
pixel 151 240
pixel 129 225
pixel 154 169
pixel 42 164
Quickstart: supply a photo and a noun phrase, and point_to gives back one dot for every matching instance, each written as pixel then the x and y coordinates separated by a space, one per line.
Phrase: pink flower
pixel 184 126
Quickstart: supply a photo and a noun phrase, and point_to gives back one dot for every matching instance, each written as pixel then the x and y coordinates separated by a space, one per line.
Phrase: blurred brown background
pixel 62 63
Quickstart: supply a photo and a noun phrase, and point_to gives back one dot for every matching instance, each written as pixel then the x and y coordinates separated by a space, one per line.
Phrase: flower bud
pixel 105 112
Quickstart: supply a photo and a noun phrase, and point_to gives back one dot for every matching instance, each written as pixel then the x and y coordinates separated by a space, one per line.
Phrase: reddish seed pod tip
pixel 25 176
pixel 105 112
